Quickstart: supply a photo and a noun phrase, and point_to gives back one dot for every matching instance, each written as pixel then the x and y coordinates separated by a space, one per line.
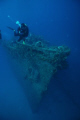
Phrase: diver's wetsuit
pixel 22 32
pixel 0 35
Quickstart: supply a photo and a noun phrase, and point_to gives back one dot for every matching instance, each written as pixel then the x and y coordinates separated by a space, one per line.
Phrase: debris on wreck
pixel 35 62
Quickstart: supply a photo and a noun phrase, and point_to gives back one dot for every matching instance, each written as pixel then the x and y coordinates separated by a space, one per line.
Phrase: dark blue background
pixel 58 21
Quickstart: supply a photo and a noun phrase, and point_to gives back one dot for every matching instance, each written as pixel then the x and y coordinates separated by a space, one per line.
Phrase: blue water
pixel 58 21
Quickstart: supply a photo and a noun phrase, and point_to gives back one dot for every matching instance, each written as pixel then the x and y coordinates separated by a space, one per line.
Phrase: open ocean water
pixel 58 21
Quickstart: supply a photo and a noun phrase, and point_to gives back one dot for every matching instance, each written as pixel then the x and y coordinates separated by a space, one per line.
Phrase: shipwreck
pixel 35 62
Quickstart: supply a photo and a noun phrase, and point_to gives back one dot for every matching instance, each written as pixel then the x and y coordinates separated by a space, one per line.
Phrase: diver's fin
pixel 23 43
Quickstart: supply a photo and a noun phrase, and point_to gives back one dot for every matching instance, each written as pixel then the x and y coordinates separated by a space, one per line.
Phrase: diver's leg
pixel 23 40
pixel 20 38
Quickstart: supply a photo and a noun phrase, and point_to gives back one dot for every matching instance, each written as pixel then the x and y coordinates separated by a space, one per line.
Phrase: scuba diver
pixel 0 35
pixel 22 32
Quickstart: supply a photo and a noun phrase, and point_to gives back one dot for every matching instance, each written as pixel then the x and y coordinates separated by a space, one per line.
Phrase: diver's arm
pixel 21 33
pixel 16 33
